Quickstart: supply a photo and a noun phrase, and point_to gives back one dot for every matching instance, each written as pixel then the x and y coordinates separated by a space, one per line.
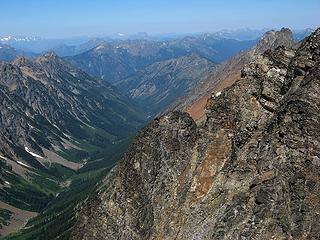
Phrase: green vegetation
pixel 56 216
pixel 5 216
pixel 88 113
pixel 97 132
pixel 107 157
pixel 97 141
pixel 25 195
pixel 73 154
pixel 61 172
pixel 56 221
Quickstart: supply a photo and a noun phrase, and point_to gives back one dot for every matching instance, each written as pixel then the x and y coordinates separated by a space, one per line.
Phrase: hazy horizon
pixel 161 34
pixel 66 19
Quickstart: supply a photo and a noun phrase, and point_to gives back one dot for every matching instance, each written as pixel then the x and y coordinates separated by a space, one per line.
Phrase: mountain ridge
pixel 117 60
pixel 56 122
pixel 228 72
pixel 160 83
pixel 249 171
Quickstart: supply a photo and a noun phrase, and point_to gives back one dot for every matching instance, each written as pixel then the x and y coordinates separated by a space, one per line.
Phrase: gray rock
pixel 247 172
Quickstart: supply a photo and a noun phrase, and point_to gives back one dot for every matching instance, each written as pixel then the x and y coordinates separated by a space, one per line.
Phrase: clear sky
pixel 65 18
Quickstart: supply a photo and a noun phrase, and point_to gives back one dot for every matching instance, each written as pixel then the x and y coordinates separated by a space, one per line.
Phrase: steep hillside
pixel 8 53
pixel 216 48
pixel 228 72
pixel 55 121
pixel 249 171
pixel 161 83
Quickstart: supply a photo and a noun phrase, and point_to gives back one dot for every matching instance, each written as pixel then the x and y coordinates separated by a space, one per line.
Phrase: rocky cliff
pixel 229 71
pixel 249 171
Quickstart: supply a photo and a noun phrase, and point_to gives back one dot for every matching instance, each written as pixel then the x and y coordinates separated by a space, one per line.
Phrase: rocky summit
pixel 229 71
pixel 250 170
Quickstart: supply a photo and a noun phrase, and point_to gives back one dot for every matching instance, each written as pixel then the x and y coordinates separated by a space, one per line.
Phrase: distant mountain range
pixel 70 46
pixel 118 60
pixel 71 50
pixel 161 83
pixel 67 117
pixel 40 45
pixel 8 53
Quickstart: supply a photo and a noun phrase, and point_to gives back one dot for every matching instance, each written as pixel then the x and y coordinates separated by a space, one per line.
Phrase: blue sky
pixel 65 18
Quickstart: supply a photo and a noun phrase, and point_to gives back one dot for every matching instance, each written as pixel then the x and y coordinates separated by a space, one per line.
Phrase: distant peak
pixel 49 56
pixel 22 61
pixel 272 39
pixel 101 46
pixel 286 30
pixel 276 34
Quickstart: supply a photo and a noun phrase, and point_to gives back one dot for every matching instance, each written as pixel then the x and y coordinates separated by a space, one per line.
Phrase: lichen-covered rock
pixel 249 171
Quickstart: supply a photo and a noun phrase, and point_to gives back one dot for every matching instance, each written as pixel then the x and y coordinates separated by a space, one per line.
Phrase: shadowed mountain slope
pixel 161 83
pixel 55 120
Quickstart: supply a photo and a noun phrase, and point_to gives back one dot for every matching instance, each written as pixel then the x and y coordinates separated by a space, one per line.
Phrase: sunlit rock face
pixel 249 171
pixel 226 73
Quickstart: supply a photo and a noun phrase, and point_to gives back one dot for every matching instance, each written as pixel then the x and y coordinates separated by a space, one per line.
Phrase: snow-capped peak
pixel 17 39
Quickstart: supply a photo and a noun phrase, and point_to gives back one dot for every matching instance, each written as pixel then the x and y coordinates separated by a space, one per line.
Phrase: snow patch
pixel 33 154
pixel 100 47
pixel 6 182
pixel 6 38
pixel 23 164
pixel 218 94
pixel 17 39
pixel 3 157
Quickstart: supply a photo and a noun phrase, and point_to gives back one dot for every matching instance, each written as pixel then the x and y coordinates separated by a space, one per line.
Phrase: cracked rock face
pixel 249 171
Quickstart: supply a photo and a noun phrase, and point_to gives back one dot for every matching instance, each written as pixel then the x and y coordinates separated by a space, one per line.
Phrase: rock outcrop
pixel 228 72
pixel 249 171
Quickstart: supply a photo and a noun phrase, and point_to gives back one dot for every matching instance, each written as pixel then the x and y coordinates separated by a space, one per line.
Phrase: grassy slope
pixel 57 217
